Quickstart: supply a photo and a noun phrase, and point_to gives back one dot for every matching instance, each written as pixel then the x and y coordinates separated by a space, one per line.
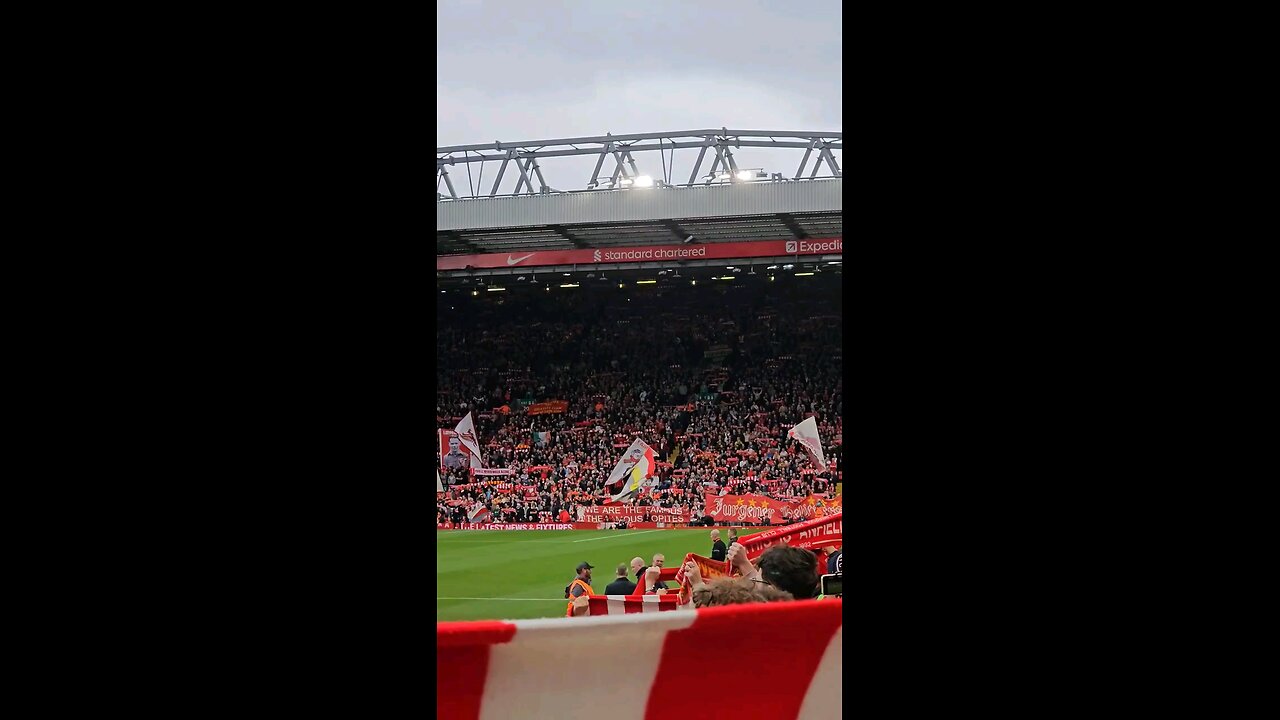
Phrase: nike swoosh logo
pixel 513 262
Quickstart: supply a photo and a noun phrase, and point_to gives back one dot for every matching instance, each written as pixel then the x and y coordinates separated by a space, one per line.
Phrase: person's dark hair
pixel 736 591
pixel 794 570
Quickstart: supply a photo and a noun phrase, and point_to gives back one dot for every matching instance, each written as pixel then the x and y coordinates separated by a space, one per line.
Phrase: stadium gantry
pixel 627 220
pixel 621 149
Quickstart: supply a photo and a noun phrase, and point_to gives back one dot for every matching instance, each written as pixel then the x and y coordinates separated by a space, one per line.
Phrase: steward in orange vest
pixel 579 587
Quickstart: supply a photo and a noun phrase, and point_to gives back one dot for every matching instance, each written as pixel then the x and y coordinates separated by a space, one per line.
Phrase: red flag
pixel 634 471
pixel 807 433
pixel 466 432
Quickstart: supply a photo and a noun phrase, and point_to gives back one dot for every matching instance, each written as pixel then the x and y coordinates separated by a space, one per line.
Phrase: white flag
pixel 807 433
pixel 439 485
pixel 466 432
pixel 636 469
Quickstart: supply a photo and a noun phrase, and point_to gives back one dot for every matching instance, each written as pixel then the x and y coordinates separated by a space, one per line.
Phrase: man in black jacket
pixel 718 549
pixel 659 560
pixel 637 568
pixel 621 585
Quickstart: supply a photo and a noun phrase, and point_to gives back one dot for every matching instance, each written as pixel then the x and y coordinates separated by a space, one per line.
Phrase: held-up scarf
pixel 811 534
pixel 494 670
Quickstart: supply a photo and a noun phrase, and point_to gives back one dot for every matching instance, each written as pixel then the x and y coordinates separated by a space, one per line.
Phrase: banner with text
pixel 758 508
pixel 631 514
pixel 505 526
pixel 645 253
pixel 549 407
pixel 815 534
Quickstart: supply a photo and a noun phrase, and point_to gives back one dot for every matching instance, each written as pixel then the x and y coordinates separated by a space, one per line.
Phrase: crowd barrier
pixel 641 665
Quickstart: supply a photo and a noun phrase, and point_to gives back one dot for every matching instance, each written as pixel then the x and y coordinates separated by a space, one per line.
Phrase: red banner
pixel 616 513
pixel 630 526
pixel 548 407
pixel 758 508
pixel 812 534
pixel 645 253
pixel 482 484
pixel 507 526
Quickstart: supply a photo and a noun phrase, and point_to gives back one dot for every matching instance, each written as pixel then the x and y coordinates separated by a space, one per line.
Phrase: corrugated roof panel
pixel 823 195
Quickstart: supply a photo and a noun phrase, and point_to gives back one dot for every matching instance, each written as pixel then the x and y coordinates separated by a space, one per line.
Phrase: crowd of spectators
pixel 710 377
pixel 781 574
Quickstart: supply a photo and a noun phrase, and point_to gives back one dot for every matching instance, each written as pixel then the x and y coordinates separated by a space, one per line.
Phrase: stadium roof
pixel 642 205
pixel 490 234
pixel 570 235
pixel 615 155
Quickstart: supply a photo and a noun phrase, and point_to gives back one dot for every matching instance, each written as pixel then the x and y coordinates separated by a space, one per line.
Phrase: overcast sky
pixel 516 70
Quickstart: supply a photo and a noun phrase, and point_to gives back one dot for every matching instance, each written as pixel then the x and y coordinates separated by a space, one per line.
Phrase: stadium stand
pixel 710 375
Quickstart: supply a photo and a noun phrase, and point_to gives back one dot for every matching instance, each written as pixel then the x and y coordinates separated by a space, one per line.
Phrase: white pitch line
pixel 493 598
pixel 486 541
pixel 609 537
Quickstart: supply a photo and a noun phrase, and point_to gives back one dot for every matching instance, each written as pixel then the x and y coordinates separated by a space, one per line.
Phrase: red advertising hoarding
pixel 645 253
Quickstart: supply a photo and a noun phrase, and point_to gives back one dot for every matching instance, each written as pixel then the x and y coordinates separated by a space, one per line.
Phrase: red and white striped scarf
pixel 630 604
pixel 627 666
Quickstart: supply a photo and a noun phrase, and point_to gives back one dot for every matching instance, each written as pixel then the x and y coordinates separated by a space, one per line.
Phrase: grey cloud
pixel 515 70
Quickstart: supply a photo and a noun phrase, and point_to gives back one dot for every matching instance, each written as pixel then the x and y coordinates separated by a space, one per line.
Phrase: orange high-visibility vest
pixel 586 587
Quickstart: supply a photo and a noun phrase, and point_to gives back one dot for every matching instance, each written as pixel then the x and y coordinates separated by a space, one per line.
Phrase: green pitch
pixel 515 574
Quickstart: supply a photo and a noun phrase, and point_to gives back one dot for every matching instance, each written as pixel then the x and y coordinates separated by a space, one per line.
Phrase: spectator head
pixel 659 559
pixel 794 570
pixel 622 570
pixel 637 564
pixel 737 591
pixel 715 535
pixel 584 571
